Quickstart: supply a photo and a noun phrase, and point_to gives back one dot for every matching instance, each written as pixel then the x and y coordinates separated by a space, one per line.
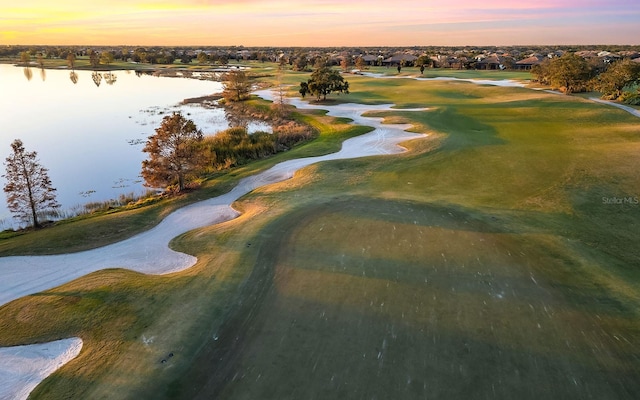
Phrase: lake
pixel 90 136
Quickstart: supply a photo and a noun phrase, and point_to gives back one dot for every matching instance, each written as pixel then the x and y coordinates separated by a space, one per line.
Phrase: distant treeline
pixel 221 54
pixel 619 80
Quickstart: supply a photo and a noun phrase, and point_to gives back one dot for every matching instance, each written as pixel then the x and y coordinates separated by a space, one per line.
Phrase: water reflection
pixel 139 73
pixel 238 116
pixel 28 73
pixel 96 77
pixel 102 130
pixel 110 78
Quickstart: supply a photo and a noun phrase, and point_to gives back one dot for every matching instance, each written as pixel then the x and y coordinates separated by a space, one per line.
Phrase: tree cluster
pixel 178 151
pixel 572 73
pixel 323 81
pixel 236 86
pixel 619 76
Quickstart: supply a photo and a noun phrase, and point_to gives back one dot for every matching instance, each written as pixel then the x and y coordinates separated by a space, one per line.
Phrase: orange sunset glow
pixel 318 22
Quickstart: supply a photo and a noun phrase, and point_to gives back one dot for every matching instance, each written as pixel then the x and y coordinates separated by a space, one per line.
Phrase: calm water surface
pixel 91 137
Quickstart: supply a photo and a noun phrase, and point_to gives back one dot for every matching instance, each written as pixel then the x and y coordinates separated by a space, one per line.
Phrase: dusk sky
pixel 319 22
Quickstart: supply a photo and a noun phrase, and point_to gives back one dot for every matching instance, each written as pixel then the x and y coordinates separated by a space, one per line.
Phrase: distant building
pixel 529 62
pixel 370 59
pixel 493 62
pixel 400 59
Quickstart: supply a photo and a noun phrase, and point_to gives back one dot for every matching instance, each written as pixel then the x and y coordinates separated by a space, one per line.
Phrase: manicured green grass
pixel 487 268
pixel 358 297
pixel 483 263
pixel 452 73
pixel 116 312
pixel 100 229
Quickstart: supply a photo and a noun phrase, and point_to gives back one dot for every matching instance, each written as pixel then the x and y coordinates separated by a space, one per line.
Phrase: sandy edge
pixel 22 368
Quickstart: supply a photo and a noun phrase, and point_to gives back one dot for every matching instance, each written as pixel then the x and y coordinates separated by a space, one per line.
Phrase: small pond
pixel 89 130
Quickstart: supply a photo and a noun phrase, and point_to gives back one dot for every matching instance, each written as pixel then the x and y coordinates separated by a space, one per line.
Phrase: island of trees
pixel 180 154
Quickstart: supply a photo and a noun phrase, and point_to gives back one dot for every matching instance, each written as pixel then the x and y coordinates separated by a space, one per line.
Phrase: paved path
pixel 628 109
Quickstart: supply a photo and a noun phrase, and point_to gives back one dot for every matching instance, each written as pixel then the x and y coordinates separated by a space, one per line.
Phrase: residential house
pixel 529 62
pixel 493 62
pixel 370 59
pixel 400 59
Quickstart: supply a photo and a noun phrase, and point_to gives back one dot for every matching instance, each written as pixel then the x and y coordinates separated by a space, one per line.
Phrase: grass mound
pixel 364 297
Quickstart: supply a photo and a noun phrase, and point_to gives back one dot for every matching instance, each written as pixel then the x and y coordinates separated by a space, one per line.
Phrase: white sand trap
pixel 22 368
pixel 149 253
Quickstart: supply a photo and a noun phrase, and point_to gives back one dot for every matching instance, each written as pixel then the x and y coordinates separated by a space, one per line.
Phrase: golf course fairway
pixel 496 258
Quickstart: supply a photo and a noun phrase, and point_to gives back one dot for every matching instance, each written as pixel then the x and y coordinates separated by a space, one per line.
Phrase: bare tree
pixel 25 58
pixel 71 60
pixel 236 86
pixel 28 188
pixel 280 101
pixel 94 58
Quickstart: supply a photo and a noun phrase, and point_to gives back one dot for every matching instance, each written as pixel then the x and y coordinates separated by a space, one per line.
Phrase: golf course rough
pixel 486 266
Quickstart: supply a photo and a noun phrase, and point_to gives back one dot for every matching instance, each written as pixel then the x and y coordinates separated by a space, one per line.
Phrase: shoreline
pixel 373 143
pixel 25 275
pixel 149 251
pixel 131 66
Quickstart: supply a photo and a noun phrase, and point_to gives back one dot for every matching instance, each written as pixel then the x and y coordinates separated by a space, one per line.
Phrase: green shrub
pixel 630 98
pixel 235 146
pixel 292 133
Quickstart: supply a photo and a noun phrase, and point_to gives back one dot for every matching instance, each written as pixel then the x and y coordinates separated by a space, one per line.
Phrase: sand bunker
pixel 149 253
pixel 24 366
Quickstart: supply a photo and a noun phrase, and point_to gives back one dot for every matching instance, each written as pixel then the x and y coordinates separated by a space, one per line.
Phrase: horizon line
pixel 320 47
